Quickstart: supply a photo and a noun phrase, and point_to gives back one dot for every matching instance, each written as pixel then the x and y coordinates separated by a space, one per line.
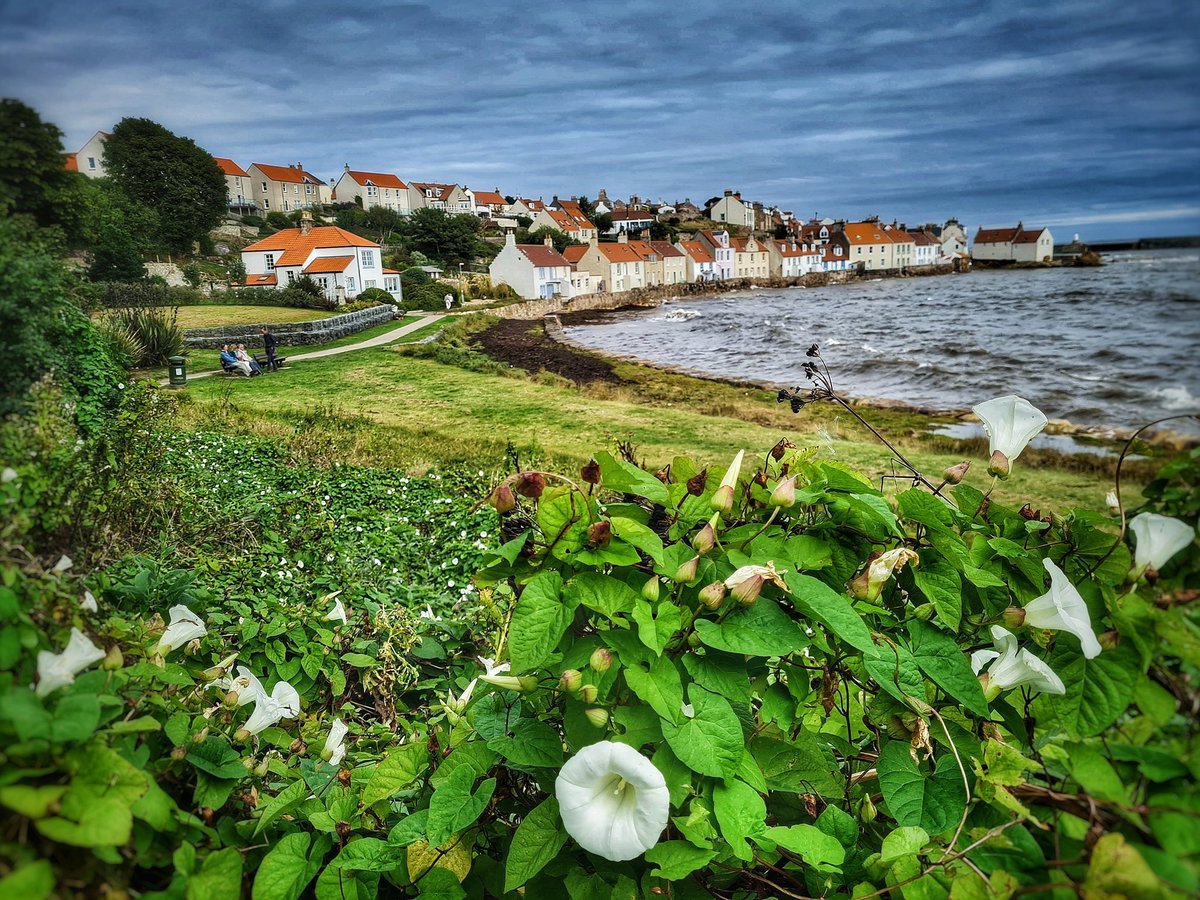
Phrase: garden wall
pixel 291 334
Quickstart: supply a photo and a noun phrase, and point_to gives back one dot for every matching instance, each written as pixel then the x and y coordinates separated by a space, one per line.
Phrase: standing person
pixel 269 347
pixel 449 301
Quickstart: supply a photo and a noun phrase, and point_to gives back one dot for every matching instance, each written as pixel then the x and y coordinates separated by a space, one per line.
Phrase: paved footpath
pixel 386 338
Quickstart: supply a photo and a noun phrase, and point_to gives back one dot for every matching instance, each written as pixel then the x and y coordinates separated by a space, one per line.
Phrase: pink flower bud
pixel 530 484
pixel 747 590
pixel 588 693
pixel 502 499
pixel 601 659
pixel 590 473
pixel 599 534
pixel 955 474
pixel 1013 617
pixel 713 595
pixel 686 573
pixel 998 465
pixel 722 500
pixel 704 539
pixel 570 680
pixel 784 493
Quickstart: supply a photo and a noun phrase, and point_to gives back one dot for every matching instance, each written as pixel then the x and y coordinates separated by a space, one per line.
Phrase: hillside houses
pixel 286 188
pixel 369 189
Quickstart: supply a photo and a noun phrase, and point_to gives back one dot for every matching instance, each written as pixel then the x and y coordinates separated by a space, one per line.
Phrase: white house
pixel 90 158
pixel 630 221
pixel 1018 244
pixel 732 210
pixel 926 248
pixel 699 263
pixel 535 271
pixel 341 262
pixel 790 259
pixel 722 252
pixel 239 195
pixel 374 189
pixel 834 258
pixel 954 241
pixel 615 267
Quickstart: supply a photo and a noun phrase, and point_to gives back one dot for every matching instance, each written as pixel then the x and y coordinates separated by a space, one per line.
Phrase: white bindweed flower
pixel 1011 422
pixel 1012 667
pixel 1062 609
pixel 283 703
pixel 244 687
pixel 9 474
pixel 746 583
pixel 722 499
pixel 428 613
pixel 613 801
pixel 1158 539
pixel 89 602
pixel 64 562
pixel 869 583
pixel 185 627
pixel 335 744
pixel 338 613
pixel 57 670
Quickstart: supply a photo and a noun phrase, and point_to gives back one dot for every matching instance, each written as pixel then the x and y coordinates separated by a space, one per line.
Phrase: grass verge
pixel 208 316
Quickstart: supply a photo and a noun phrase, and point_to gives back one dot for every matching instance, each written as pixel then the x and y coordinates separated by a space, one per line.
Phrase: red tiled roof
pixel 379 179
pixel 541 255
pixel 574 253
pixel 323 265
pixel 631 215
pixel 489 198
pixel 287 173
pixel 925 239
pixel 665 249
pixel 739 244
pixel 70 163
pixel 697 251
pixel 1028 236
pixel 995 235
pixel 325 236
pixel 229 167
pixel 260 280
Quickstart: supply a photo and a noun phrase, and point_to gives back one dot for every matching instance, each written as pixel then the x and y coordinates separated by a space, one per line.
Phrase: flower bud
pixel 231 699
pixel 178 752
pixel 530 484
pixel 242 735
pixel 722 500
pixel 262 768
pixel 220 669
pixel 588 693
pixel 570 680
pixel 200 736
pixel 704 539
pixel 590 473
pixel 686 573
pixel 193 648
pixel 114 659
pixel 520 684
pixel 599 534
pixel 924 612
pixel 1109 640
pixel 998 465
pixel 866 810
pixel 955 474
pixel 713 595
pixel 601 660
pixel 1113 503
pixel 1013 617
pixel 747 590
pixel 597 716
pixel 249 763
pixel 694 640
pixel 502 499
pixel 298 746
pixel 784 493
pixel 781 447
pixel 695 484
pixel 650 589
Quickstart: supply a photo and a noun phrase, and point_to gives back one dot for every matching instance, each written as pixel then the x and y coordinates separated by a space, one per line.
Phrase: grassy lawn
pixel 388 408
pixel 217 314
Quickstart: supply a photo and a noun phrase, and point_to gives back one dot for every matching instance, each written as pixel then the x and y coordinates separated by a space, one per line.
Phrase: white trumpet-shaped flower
pixel 869 583
pixel 335 743
pixel 1158 539
pixel 245 687
pixel 746 583
pixel 185 626
pixel 1062 609
pixel 1012 667
pixel 64 562
pixel 57 670
pixel 1011 423
pixel 283 703
pixel 88 602
pixel 613 801
pixel 338 613
pixel 722 499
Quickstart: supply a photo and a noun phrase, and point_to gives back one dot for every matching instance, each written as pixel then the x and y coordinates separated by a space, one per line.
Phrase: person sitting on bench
pixel 243 356
pixel 231 363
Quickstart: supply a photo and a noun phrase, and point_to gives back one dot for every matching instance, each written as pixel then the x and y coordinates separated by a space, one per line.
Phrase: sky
pixel 1084 116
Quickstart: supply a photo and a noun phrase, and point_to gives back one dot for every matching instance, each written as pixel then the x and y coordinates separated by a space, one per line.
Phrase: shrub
pixel 155 329
pixel 374 295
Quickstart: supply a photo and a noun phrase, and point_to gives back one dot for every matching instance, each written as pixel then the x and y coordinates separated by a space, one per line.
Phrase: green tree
pixel 603 222
pixel 33 179
pixel 660 231
pixel 169 174
pixel 381 222
pixel 451 239
pixel 560 238
pixel 115 256
pixel 236 270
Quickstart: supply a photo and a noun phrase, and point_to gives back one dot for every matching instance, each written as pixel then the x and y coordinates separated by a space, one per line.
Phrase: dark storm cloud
pixel 1066 113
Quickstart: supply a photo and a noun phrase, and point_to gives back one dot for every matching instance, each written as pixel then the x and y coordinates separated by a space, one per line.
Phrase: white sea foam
pixel 1177 397
pixel 870 349
pixel 681 315
pixel 834 342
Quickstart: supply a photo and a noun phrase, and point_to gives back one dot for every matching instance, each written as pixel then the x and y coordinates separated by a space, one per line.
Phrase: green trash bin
pixel 178 371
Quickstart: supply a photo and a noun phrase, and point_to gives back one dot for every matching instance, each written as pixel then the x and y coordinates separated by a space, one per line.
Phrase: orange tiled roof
pixel 229 167
pixel 379 179
pixel 697 251
pixel 541 255
pixel 489 198
pixel 323 265
pixel 289 174
pixel 325 236
pixel 644 250
pixel 70 163
pixel 619 253
pixel 391 271
pixel 900 236
pixel 567 222
pixel 261 280
pixel 574 253
pixel 865 233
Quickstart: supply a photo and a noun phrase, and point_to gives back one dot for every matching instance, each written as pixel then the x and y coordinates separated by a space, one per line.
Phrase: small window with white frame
pixel 270 261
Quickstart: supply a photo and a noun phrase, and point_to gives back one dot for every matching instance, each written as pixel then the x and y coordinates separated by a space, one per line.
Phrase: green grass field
pixel 216 314
pixel 384 407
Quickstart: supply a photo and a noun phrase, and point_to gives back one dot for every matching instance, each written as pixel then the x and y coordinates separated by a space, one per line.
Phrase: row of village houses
pixel 345 264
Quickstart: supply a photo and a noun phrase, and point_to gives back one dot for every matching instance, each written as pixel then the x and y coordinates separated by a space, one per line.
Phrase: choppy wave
pixel 1107 346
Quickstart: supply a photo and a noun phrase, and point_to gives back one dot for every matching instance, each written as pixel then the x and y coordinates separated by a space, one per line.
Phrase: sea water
pixel 1115 346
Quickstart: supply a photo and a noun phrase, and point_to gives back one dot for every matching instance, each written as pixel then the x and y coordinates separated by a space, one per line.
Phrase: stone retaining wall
pixel 292 334
pixel 654 296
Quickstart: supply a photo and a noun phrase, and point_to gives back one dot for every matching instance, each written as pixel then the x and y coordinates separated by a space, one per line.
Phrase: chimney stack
pixel 510 238
pixel 622 237
pixel 306 221
pixel 548 241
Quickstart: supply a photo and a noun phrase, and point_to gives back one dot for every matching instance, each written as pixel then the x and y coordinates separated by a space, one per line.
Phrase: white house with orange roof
pixel 904 246
pixel 524 206
pixel 672 260
pixel 722 252
pixel 341 262
pixel 793 259
pixel 834 257
pixel 449 198
pixel 535 271
pixel 89 159
pixel 488 204
pixel 575 227
pixel 751 259
pixel 617 266
pixel 286 188
pixel 927 248
pixel 867 245
pixel 373 189
pixel 238 193
pixel 699 263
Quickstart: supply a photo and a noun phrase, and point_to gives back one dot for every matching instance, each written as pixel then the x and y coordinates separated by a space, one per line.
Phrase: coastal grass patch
pixel 388 408
pixel 209 316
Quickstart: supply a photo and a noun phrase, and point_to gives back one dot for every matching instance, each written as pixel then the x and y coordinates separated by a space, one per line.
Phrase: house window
pixel 308 189
pixel 368 259
pixel 285 204
pixel 264 187
pixel 291 275
pixel 390 285
pixel 369 283
pixel 266 204
pixel 323 281
pixel 351 285
pixel 270 258
pixel 91 162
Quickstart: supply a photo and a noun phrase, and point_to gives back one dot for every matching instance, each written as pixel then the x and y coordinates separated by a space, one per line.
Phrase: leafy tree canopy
pixel 33 180
pixel 452 239
pixel 169 174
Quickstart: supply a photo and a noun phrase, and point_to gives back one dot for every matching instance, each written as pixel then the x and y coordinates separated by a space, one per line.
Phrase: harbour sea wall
pixel 291 334
pixel 651 297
